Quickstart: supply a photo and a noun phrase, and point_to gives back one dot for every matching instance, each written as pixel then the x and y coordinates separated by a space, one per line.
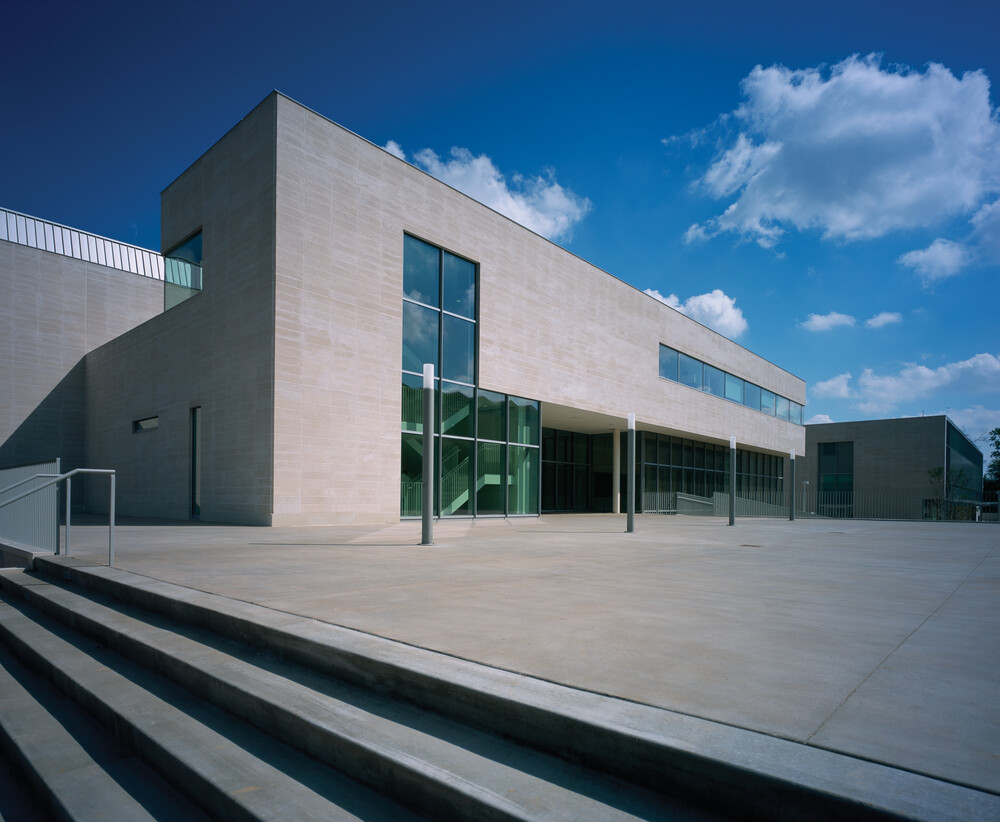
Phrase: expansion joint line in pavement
pixel 899 645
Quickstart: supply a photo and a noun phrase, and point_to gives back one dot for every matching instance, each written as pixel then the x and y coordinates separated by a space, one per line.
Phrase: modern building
pixel 906 468
pixel 265 369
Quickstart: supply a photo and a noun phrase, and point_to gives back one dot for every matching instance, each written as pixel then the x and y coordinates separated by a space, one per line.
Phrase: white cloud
pixel 836 387
pixel 715 309
pixel 824 322
pixel 884 318
pixel 538 203
pixel 986 233
pixel 940 260
pixel 855 152
pixel 880 394
pixel 395 149
pixel 695 233
pixel 818 419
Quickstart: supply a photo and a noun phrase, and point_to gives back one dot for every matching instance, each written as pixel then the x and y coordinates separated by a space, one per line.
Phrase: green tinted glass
pixel 491 416
pixel 523 421
pixel 456 409
pixel 522 480
pixel 489 478
pixel 456 483
pixel 411 476
pixel 413 403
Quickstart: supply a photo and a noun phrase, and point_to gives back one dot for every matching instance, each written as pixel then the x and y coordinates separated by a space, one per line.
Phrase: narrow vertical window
pixel 196 462
pixel 486 442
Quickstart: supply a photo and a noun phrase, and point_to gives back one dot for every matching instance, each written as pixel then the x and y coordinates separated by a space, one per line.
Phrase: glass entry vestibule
pixel 668 465
pixel 578 471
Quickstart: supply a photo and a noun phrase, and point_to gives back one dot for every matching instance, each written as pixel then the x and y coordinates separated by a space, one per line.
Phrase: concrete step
pixel 745 774
pixel 226 769
pixel 425 761
pixel 68 767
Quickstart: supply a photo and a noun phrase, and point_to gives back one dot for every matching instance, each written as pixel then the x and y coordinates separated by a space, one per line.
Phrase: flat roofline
pixel 944 417
pixel 276 93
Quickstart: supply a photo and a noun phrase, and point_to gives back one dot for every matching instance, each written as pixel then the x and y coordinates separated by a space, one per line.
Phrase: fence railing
pixel 48 480
pixel 33 519
pixel 830 505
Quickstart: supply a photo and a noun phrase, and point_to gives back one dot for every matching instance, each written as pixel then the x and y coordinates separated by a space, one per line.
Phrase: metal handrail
pixel 54 479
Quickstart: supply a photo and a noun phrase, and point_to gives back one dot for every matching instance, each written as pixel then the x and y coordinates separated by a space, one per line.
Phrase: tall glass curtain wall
pixel 486 443
pixel 671 465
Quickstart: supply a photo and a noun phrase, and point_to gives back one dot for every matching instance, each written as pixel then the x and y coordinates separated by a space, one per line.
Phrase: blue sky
pixel 820 182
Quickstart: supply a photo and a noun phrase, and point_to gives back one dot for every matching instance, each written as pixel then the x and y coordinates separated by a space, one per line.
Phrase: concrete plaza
pixel 880 640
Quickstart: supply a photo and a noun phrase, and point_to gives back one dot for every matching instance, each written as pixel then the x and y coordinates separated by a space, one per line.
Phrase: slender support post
pixel 732 480
pixel 631 474
pixel 791 485
pixel 69 497
pixel 111 525
pixel 616 461
pixel 427 537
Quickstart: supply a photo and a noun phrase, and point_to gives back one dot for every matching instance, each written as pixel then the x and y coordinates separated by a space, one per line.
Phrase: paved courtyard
pixel 876 639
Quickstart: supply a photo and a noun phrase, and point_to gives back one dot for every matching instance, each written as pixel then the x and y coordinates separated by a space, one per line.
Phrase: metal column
pixel 631 474
pixel 732 480
pixel 791 480
pixel 427 511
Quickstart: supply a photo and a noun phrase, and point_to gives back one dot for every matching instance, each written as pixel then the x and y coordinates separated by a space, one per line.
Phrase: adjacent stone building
pixel 905 468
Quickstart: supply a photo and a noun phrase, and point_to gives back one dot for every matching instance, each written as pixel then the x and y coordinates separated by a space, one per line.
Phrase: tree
pixel 992 472
pixel 991 476
pixel 943 493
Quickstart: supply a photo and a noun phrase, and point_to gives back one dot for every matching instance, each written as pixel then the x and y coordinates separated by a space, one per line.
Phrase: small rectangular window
pixel 690 371
pixel 715 381
pixel 668 363
pixel 147 424
pixel 734 388
pixel 781 407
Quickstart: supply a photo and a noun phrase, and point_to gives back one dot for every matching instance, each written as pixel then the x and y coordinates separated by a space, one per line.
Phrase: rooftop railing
pixel 80 245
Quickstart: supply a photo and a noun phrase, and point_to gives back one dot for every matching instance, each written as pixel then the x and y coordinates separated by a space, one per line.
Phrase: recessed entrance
pixel 577 471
